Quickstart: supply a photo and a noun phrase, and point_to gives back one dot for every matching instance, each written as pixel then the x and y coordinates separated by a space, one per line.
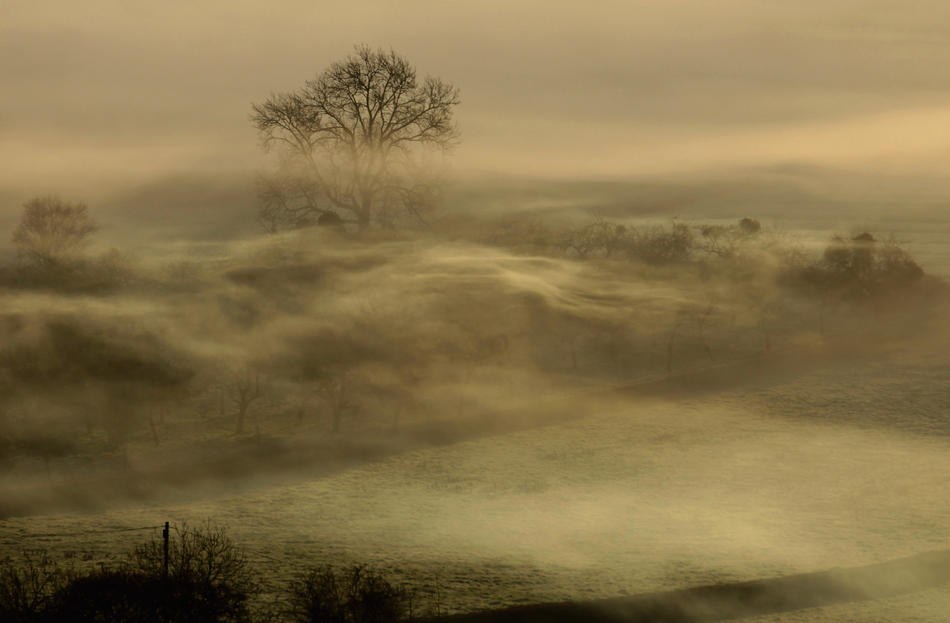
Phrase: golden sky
pixel 110 92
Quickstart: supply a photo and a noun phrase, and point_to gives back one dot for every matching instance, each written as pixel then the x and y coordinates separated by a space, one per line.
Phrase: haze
pixel 670 314
pixel 119 92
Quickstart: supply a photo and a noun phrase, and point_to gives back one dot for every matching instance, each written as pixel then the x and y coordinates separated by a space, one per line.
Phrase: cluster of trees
pixel 850 268
pixel 654 245
pixel 352 146
pixel 98 376
pixel 207 579
pixel 121 382
pixel 73 384
pixel 739 281
pixel 857 268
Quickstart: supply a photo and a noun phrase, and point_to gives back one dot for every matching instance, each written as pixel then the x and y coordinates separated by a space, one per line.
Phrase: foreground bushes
pixel 209 580
pixel 354 595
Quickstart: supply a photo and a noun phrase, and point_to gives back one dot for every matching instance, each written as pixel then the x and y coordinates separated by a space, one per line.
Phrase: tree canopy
pixel 350 141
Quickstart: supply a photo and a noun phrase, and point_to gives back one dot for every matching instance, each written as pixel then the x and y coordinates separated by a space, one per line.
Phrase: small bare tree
pixel 51 228
pixel 702 318
pixel 335 388
pixel 348 138
pixel 244 389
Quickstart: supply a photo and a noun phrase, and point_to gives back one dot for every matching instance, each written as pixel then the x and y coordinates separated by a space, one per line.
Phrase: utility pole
pixel 165 542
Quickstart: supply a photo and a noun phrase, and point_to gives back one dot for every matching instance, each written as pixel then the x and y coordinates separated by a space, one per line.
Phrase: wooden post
pixel 165 540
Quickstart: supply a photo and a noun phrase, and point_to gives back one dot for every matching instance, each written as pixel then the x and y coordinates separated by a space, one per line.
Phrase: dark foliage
pixel 353 595
pixel 208 581
pixel 127 596
pixel 207 572
pixel 858 268
pixel 27 587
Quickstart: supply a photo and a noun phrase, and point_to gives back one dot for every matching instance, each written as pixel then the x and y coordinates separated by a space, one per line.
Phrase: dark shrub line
pixel 209 580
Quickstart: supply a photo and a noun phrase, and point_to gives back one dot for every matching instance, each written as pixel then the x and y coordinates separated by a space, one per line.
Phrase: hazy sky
pixel 110 91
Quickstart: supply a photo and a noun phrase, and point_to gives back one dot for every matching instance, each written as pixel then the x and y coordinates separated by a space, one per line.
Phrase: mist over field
pixel 626 312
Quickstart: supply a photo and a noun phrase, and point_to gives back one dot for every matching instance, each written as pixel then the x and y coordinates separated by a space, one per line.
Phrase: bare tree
pixel 51 228
pixel 244 389
pixel 702 319
pixel 353 134
pixel 681 319
pixel 600 238
pixel 335 388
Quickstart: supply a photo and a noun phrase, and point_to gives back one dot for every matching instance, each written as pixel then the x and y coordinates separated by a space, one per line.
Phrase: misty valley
pixel 492 412
pixel 663 340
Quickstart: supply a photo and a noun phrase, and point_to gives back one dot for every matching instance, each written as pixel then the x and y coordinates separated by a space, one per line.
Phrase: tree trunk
pixel 362 221
pixel 242 412
pixel 364 214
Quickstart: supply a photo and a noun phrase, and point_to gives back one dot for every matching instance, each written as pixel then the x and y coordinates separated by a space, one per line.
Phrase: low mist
pixel 524 311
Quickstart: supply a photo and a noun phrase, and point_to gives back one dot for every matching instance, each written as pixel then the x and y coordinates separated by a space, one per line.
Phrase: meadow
pixel 493 417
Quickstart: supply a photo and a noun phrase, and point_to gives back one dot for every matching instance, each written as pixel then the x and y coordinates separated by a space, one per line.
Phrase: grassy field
pixel 832 463
pixel 564 468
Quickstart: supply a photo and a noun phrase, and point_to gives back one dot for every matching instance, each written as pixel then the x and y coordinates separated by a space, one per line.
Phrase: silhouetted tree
pixel 244 389
pixel 855 269
pixel 209 581
pixel 27 586
pixel 45 446
pixel 334 385
pixel 348 138
pixel 354 595
pixel 208 568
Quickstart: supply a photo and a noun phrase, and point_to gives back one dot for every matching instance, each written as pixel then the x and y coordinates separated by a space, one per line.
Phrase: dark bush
pixel 121 596
pixel 857 268
pixel 353 595
pixel 750 226
pixel 128 596
pixel 658 246
pixel 27 586
pixel 207 572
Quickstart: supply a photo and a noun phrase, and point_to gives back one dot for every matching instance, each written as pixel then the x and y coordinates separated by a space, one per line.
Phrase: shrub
pixel 121 596
pixel 728 241
pixel 50 229
pixel 208 574
pixel 600 238
pixel 750 225
pixel 857 268
pixel 353 595
pixel 658 246
pixel 27 587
